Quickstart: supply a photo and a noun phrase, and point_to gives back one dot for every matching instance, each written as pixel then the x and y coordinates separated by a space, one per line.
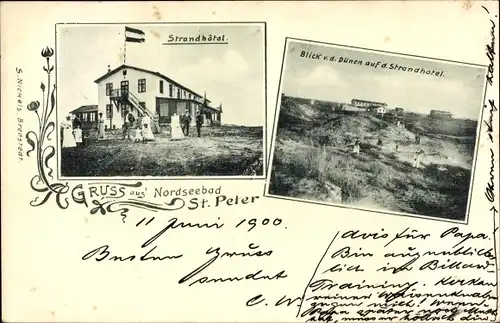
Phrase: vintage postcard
pixel 250 161
pixel 377 130
pixel 135 109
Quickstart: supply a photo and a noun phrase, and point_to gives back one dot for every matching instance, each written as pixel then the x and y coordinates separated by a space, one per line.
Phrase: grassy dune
pixel 318 151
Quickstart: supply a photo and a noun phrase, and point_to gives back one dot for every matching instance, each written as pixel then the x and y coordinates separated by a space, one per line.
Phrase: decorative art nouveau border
pixel 41 142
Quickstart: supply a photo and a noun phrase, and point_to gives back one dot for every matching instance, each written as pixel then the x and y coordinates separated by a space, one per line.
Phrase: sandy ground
pixel 221 151
pixel 315 147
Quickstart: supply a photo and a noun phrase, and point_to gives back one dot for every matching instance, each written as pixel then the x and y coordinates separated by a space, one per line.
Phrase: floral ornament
pixel 47 52
pixel 33 106
pixel 123 206
pixel 43 182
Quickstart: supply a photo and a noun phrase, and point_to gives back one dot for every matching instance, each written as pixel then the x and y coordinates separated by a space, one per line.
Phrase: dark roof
pixel 213 108
pixel 369 101
pixel 146 71
pixel 85 108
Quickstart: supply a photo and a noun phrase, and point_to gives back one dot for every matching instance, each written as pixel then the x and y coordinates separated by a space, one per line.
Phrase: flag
pixel 134 35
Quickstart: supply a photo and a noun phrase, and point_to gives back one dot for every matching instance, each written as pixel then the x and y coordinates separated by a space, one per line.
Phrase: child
pixel 138 135
pixel 78 135
pixel 356 147
pixel 418 157
pixel 86 138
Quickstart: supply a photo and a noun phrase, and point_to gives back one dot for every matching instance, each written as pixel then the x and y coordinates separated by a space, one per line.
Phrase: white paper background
pixel 43 276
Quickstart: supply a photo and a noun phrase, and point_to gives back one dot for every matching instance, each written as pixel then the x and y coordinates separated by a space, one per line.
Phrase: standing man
pixel 186 120
pixel 77 122
pixel 199 122
pixel 128 124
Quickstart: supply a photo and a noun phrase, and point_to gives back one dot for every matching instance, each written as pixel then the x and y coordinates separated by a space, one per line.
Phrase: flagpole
pixel 124 51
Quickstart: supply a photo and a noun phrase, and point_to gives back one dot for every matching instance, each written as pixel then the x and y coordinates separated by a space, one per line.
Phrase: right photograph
pixel 376 131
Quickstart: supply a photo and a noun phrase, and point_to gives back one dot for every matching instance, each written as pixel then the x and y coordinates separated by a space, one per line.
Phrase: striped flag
pixel 134 35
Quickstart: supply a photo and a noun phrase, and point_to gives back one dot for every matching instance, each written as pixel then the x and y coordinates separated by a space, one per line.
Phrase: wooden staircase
pixel 126 97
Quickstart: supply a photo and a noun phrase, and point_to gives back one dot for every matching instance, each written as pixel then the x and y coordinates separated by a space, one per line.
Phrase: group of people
pixel 71 132
pixel 417 157
pixel 143 130
pixel 180 125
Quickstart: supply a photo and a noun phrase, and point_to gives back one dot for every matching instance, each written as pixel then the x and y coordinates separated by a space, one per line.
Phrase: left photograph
pixel 161 100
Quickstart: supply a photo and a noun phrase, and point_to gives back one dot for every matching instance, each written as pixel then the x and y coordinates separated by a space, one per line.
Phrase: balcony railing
pixel 119 93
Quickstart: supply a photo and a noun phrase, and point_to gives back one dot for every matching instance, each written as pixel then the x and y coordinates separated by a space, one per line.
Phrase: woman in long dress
pixel 68 139
pixel 146 128
pixel 176 128
pixel 101 134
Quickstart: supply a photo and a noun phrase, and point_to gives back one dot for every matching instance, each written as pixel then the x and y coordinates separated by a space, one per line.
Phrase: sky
pixel 460 90
pixel 231 74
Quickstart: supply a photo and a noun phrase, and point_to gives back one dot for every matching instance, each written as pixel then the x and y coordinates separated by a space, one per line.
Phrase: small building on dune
pixel 86 116
pixel 367 104
pixel 381 110
pixel 437 114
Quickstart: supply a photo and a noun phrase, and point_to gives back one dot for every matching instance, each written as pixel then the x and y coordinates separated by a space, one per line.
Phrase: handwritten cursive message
pixel 154 248
pixel 405 276
pixel 490 117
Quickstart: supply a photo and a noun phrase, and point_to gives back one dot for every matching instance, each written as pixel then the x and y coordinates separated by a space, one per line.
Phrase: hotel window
pixel 109 88
pixel 161 87
pixel 124 88
pixel 92 117
pixel 189 95
pixel 142 86
pixel 184 94
pixel 178 93
pixel 84 117
pixel 170 90
pixel 109 111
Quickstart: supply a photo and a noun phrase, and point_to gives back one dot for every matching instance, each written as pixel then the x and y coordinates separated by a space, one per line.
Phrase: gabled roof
pixel 85 108
pixel 146 71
